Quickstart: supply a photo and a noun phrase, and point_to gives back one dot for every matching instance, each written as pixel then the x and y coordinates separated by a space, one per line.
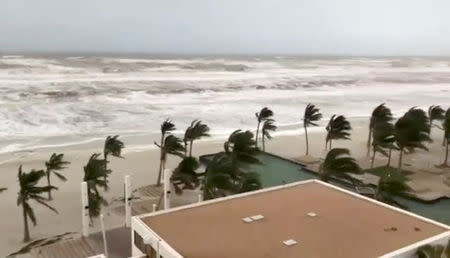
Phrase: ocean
pixel 46 99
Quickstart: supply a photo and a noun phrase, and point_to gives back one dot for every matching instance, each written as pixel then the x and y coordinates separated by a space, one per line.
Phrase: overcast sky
pixel 337 27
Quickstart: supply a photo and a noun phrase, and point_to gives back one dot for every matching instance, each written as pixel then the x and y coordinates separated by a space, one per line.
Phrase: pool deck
pixel 427 186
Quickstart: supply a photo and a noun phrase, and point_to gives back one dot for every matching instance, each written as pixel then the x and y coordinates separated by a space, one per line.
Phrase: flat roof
pixel 345 225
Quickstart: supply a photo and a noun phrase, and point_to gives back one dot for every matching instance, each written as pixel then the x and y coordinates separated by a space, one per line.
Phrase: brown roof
pixel 345 226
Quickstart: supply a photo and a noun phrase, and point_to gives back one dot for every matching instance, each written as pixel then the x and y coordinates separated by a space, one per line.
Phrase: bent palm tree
pixel 383 138
pixel 225 174
pixel 381 114
pixel 337 128
pixel 188 136
pixel 198 131
pixel 310 117
pixel 30 191
pixel 113 146
pixel 185 174
pixel 446 127
pixel 411 131
pixel 96 175
pixel 267 126
pixel 390 185
pixel 166 127
pixel 435 113
pixel 339 164
pixel 173 146
pixel 262 115
pixel 433 251
pixel 54 164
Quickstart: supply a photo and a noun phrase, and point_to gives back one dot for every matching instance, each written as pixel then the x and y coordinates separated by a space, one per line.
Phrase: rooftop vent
pixel 247 219
pixel 312 214
pixel 257 217
pixel 290 242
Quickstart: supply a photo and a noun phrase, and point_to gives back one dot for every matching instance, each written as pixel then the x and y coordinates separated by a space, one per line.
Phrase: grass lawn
pixel 379 171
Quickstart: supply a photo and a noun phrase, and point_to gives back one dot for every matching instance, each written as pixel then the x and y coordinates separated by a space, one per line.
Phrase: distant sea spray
pixel 89 97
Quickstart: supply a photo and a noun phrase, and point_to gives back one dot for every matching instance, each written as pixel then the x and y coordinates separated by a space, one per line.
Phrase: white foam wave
pixel 48 97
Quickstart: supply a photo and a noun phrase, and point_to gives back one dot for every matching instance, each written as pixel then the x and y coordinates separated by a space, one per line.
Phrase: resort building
pixel 303 219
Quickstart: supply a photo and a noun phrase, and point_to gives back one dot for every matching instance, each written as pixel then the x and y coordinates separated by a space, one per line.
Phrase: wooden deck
pixel 73 248
pixel 150 191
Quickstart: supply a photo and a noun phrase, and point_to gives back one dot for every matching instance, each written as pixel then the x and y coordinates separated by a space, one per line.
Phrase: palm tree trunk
pixel 369 140
pixel 373 158
pixel 444 140
pixel 400 158
pixel 161 167
pixel 158 181
pixel 307 144
pixel 190 148
pixel 185 148
pixel 48 184
pixel 330 143
pixel 26 230
pixel 389 157
pixel 105 156
pixel 445 164
pixel 326 144
pixel 257 132
pixel 263 143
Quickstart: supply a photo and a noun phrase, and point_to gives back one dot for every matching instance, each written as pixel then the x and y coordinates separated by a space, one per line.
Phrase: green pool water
pixel 277 171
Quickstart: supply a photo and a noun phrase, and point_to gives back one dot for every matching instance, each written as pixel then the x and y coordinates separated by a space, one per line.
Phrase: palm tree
pixel 96 175
pixel 411 131
pixel 166 127
pixel 435 113
pixel 113 146
pixel 267 126
pixel 390 185
pixel 446 127
pixel 54 164
pixel 198 131
pixel 337 128
pixel 185 174
pixel 433 251
pixel 187 137
pixel 381 114
pixel 30 191
pixel 172 145
pixel 383 138
pixel 339 164
pixel 264 114
pixel 225 174
pixel 311 116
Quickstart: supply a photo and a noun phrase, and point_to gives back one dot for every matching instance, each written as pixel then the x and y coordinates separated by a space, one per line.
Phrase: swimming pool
pixel 275 170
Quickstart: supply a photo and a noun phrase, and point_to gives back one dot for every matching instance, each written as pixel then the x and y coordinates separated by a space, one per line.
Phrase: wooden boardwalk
pixel 73 248
pixel 150 191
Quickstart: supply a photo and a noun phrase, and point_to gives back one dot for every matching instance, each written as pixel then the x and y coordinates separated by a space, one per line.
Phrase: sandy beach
pixel 142 165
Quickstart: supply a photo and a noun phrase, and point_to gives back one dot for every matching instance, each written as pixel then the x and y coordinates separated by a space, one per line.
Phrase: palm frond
pixel 338 163
pixel 167 126
pixel 267 127
pixel 436 113
pixel 412 129
pixel 380 114
pixel 113 146
pixel 311 115
pixel 338 128
pixel 264 114
pixel 174 146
